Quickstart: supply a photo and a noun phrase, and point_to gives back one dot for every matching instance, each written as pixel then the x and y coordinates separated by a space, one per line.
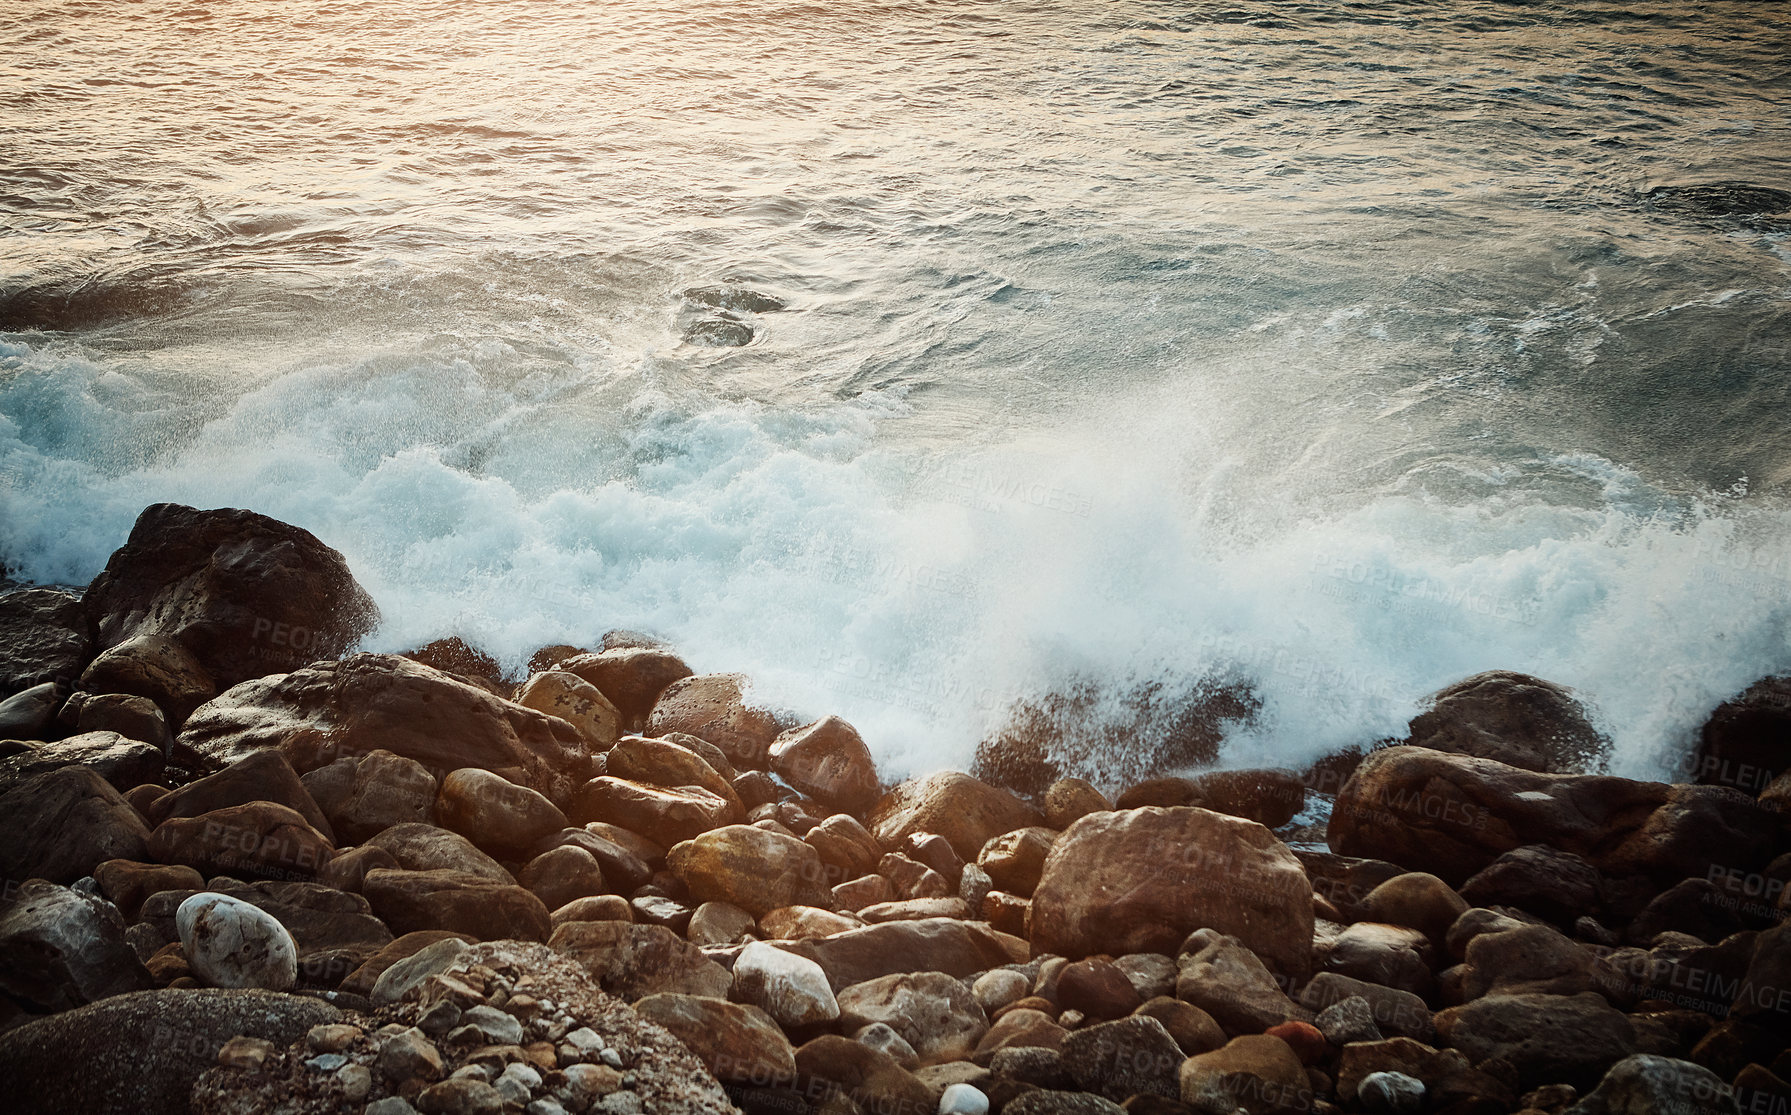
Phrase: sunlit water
pixel 1336 349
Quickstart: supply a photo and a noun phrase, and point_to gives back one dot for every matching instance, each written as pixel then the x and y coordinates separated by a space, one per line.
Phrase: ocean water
pixel 1333 350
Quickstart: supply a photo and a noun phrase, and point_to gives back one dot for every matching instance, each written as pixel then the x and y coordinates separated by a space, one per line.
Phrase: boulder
pixel 1194 1030
pixel 713 707
pixel 792 989
pixel 1545 1038
pixel 1515 719
pixel 1225 979
pixel 61 949
pixel 1257 1073
pixel 1417 900
pixel 845 846
pixel 597 907
pixel 968 813
pixel 1391 955
pixel 1268 797
pixel 633 961
pixel 1051 1102
pixel 31 713
pixel 870 1078
pixel 497 815
pixel 1532 960
pixel 133 717
pixel 1764 997
pixel 454 655
pixel 1140 880
pixel 475 905
pixel 1392 1011
pixel 420 847
pixel 246 594
pixel 828 760
pixel 632 678
pixel 1346 881
pixel 800 923
pixel 369 702
pixel 1744 743
pixel 624 866
pixel 756 870
pixel 661 762
pixel 916 909
pixel 43 638
pixel 577 702
pixel 1099 989
pixel 262 776
pixel 63 823
pixel 380 790
pixel 161 670
pixel 1453 815
pixel 258 840
pixel 740 1044
pixel 1124 1058
pixel 331 929
pixel 1545 881
pixel 720 923
pixel 563 875
pixel 230 943
pixel 1015 861
pixel 935 1013
pixel 140 1053
pixel 126 883
pixel 665 816
pixel 1020 1027
pixel 399 959
pixel 125 763
pixel 1068 800
pixel 956 948
pixel 1649 1085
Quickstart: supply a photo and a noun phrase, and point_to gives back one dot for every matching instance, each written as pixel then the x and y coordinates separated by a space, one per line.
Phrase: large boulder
pixel 1141 880
pixel 713 707
pixel 828 761
pixel 248 595
pixel 1228 981
pixel 1649 1085
pixel 968 813
pixel 633 961
pixel 43 637
pixel 155 667
pixel 577 702
pixel 1516 719
pixel 661 762
pixel 752 868
pixel 261 776
pixel 1746 743
pixel 31 713
pixel 632 678
pixel 366 795
pixel 479 907
pixel 935 1013
pixel 957 948
pixel 63 823
pixel 790 988
pixel 369 702
pixel 140 1053
pixel 1453 815
pixel 497 815
pixel 60 948
pixel 258 840
pixel 663 815
pixel 1547 1039
pixel 125 763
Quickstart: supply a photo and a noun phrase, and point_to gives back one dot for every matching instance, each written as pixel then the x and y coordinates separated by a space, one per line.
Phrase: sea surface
pixel 1326 351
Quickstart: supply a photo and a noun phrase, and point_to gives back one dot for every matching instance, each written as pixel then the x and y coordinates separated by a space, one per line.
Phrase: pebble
pixel 441 1017
pixel 611 1058
pixel 327 1062
pixel 408 1053
pixel 245 1053
pixel 619 1103
pixel 1394 1093
pixel 497 1026
pixel 460 1096
pixel 356 1081
pixel 1348 1020
pixel 963 1099
pixel 331 1038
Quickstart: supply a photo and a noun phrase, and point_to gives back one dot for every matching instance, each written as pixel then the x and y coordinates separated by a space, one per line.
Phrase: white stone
pixel 1394 1093
pixel 998 988
pixel 791 989
pixel 229 943
pixel 963 1099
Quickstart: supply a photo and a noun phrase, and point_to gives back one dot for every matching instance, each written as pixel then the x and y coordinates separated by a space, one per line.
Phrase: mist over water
pixel 1338 352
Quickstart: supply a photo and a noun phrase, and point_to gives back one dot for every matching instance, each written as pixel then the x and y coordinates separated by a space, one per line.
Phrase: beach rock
pixel 1533 960
pixel 660 762
pixel 1395 1012
pixel 828 761
pixel 665 816
pixel 563 694
pixel 140 1053
pixel 420 847
pixel 934 1012
pixel 263 776
pixel 1098 989
pixel 1743 744
pixel 1141 880
pixel 1545 881
pixel 1390 955
pixel 380 790
pixel 457 901
pixel 370 702
pixel 60 949
pixel 61 824
pixel 1048 1102
pixel 863 892
pixel 1348 1020
pixel 1020 1027
pixel 248 595
pixel 258 840
pixel 1068 800
pixel 1764 996
pixel 1415 899
pixel 1224 978
pixel 632 678
pixel 1015 861
pixel 133 717
pixel 1124 1058
pixel 713 707
pixel 968 813
pixel 740 1044
pixel 871 1078
pixel 1269 797
pixel 1257 1073
pixel 1150 973
pixel 719 923
pixel 597 907
pixel 916 909
pixel 751 868
pixel 43 638
pixel 956 948
pixel 1516 719
pixel 454 655
pixel 230 943
pixel 498 816
pixel 126 883
pixel 1391 1093
pixel 1453 816
pixel 1649 1085
pixel 1545 1038
pixel 844 845
pixel 407 963
pixel 31 713
pixel 163 670
pixel 1193 1029
pixel 624 866
pixel 801 923
pixel 633 961
pixel 792 989
pixel 124 763
pixel 563 875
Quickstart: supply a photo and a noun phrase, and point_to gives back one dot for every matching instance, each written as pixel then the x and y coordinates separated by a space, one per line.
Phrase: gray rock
pixel 397 981
pixel 1348 1020
pixel 230 943
pixel 30 713
pixel 125 763
pixel 43 638
pixel 1650 1085
pixel 61 949
pixel 1393 1093
pixel 499 1028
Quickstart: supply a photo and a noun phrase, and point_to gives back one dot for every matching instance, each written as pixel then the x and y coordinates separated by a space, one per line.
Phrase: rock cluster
pixel 253 879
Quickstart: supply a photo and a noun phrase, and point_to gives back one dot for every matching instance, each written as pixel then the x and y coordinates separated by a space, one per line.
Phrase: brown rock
pixel 597 907
pixel 912 879
pixel 957 948
pixel 261 776
pixel 634 961
pixel 1257 1073
pixel 844 844
pixel 1396 1012
pixel 631 677
pixel 1533 960
pixel 127 883
pixel 124 763
pixel 1390 955
pixel 1417 900
pixel 1019 1027
pixel 1515 719
pixel 934 1013
pixel 456 901
pixel 1545 1038
pixel 497 815
pixel 721 923
pixel 966 812
pixel 133 717
pixel 576 701
pixel 916 909
pixel 1742 745
pixel 563 875
pixel 1557 885
pixel 1098 989
pixel 665 816
pixel 828 761
pixel 1016 860
pixel 43 638
pixel 713 707
pixel 800 923
pixel 1229 982
pixel 751 868
pixel 1193 1029
pixel 419 847
pixel 1068 800
pixel 163 670
pixel 361 980
pixel 859 893
pixel 456 656
pixel 376 792
pixel 259 840
pixel 347 869
pixel 872 1079
pixel 660 762
pixel 740 1044
pixel 1008 912
pixel 1140 880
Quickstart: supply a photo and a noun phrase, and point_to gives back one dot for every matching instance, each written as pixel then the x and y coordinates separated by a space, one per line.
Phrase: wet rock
pixel 1015 861
pixel 1516 719
pixel 248 595
pixel 564 694
pixel 126 883
pixel 1124 1058
pixel 665 816
pixel 1390 955
pixel 1532 960
pixel 1545 1038
pixel 457 901
pixel 1193 1029
pixel 456 656
pixel 563 875
pixel 61 949
pixel 124 763
pixel 792 989
pixel 262 776
pixel 31 713
pixel 800 923
pixel 870 1078
pixel 420 847
pixel 258 840
pixel 369 702
pixel 632 678
pixel 1068 800
pixel 627 867
pixel 497 815
pixel 230 943
pixel 633 961
pixel 1348 1020
pixel 1257 1073
pixel 1393 1093
pixel 165 671
pixel 660 762
pixel 935 1013
pixel 1764 996
pixel 1141 880
pixel 751 868
pixel 1646 1085
pixel 601 907
pixel 1229 982
pixel 968 813
pixel 365 796
pixel 845 845
pixel 736 298
pixel 828 761
pixel 43 638
pixel 956 948
pixel 1553 884
pixel 738 1043
pixel 133 717
pixel 713 707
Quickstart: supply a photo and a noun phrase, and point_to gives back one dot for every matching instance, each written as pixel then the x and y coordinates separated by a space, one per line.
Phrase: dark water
pixel 1342 349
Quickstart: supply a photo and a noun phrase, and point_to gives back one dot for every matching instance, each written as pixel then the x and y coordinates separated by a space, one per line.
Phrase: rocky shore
pixel 246 870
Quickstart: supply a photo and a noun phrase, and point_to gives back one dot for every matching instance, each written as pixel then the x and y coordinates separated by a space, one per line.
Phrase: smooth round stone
pixel 963 1099
pixel 229 943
